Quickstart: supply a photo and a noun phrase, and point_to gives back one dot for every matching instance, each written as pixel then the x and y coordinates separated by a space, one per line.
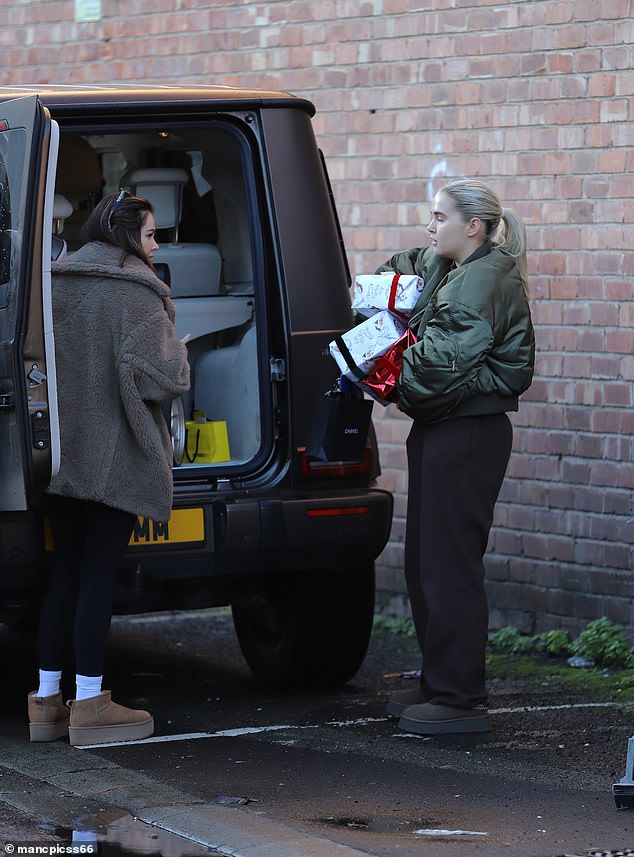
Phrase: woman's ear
pixel 475 226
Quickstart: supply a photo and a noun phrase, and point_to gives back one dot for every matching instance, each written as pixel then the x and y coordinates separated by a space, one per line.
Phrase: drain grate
pixel 610 852
pixel 604 852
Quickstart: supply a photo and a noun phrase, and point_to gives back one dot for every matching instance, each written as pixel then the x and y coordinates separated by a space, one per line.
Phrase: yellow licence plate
pixel 185 525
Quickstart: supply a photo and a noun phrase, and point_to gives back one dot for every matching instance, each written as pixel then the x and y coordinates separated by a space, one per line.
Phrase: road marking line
pixel 250 730
pixel 194 736
pixel 362 721
pixel 431 832
pixel 527 709
pixel 156 739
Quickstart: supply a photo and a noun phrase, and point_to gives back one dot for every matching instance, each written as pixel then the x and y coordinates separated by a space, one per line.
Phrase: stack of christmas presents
pixel 370 355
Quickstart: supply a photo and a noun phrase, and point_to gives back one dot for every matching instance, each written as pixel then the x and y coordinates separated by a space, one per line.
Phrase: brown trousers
pixel 456 470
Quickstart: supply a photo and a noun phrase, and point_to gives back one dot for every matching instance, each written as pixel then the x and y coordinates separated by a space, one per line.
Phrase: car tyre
pixel 300 629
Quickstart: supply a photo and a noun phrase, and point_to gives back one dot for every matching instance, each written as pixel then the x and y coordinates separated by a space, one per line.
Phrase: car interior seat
pixel 195 269
pixel 80 181
pixel 226 387
pixel 62 209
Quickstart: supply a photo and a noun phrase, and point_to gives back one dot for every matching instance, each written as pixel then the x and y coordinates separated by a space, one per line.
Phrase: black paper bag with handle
pixel 340 426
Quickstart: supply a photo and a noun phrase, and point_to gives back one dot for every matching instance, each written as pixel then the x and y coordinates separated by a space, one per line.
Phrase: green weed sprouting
pixel 605 643
pixel 602 641
pixel 557 644
pixel 510 641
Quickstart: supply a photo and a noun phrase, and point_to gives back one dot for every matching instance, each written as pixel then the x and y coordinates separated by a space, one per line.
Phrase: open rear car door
pixel 29 437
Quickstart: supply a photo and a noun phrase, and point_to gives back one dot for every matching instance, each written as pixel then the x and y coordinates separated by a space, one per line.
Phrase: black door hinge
pixel 41 429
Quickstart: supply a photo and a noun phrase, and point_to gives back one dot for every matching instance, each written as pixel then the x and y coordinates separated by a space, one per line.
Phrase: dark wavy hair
pixel 118 219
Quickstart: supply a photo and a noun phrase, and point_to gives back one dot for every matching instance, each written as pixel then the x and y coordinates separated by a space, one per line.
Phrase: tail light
pixel 337 511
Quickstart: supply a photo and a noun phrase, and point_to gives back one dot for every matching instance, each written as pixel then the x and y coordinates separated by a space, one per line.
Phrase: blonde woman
pixel 473 358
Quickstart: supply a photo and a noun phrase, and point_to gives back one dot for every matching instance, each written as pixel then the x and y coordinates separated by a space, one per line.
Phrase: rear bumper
pixel 270 533
pixel 335 527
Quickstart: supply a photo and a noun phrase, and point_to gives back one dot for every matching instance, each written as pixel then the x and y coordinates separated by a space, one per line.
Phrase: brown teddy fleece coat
pixel 118 359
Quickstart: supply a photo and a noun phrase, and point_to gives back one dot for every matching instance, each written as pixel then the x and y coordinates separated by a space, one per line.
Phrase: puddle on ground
pixel 391 825
pixel 372 825
pixel 115 833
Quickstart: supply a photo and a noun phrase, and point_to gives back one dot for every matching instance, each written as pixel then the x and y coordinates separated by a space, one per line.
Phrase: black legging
pixel 90 541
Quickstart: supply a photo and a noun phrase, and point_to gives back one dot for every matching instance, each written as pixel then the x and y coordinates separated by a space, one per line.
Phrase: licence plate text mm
pixel 185 525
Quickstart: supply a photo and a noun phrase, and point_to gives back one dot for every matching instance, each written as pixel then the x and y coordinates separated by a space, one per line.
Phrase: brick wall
pixel 532 97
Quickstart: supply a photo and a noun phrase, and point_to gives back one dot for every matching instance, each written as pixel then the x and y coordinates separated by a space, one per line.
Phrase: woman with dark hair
pixel 118 361
pixel 125 221
pixel 473 358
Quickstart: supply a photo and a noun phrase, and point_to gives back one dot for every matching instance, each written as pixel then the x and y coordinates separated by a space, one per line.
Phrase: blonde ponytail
pixel 510 237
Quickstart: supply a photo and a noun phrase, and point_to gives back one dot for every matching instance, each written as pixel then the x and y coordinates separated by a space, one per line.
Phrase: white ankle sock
pixel 49 682
pixel 88 685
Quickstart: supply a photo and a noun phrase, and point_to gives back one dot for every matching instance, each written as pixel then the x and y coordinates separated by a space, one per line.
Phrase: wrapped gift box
pixel 397 293
pixel 380 382
pixel 357 351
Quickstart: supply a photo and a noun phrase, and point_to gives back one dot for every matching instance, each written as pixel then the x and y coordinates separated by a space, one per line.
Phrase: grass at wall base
pixel 543 659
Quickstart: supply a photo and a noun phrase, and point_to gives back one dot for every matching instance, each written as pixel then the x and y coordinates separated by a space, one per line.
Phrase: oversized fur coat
pixel 118 360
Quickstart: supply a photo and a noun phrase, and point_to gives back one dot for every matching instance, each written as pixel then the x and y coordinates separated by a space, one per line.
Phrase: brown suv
pixel 251 248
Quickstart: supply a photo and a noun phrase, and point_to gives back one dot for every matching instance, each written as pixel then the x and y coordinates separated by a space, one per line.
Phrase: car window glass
pixel 12 144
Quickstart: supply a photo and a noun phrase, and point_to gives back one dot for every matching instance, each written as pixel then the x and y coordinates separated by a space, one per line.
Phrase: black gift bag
pixel 340 426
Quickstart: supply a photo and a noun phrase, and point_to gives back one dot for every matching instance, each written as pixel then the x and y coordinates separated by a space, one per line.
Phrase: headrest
pixel 61 207
pixel 163 186
pixel 78 169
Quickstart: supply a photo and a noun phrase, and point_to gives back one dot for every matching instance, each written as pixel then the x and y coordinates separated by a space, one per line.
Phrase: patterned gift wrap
pixel 397 293
pixel 357 351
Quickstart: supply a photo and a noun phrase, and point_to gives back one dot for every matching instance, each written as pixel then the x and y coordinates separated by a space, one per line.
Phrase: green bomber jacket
pixel 475 349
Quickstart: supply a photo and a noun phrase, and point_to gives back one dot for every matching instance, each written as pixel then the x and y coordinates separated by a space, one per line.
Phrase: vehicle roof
pixel 127 96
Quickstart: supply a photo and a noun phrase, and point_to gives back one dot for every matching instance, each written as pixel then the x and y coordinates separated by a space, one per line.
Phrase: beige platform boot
pixel 48 717
pixel 99 720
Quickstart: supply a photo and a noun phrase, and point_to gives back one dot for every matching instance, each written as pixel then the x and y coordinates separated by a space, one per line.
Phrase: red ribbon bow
pixel 381 381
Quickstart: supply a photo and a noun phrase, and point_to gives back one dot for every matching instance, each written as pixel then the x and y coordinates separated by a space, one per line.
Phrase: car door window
pixel 12 143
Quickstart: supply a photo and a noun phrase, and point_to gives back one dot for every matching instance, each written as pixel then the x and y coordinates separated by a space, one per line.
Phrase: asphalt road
pixel 247 772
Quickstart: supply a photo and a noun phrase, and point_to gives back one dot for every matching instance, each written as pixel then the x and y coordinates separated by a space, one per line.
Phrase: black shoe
pixel 437 719
pixel 403 699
